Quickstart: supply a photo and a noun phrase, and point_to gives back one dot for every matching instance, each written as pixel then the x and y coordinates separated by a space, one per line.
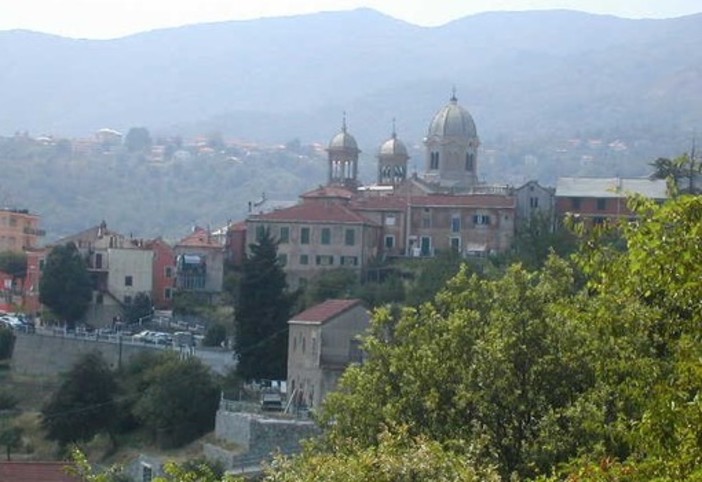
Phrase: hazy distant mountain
pixel 552 93
pixel 526 74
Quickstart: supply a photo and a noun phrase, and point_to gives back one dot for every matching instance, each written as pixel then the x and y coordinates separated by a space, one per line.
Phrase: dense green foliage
pixel 262 313
pixel 682 173
pixel 174 399
pixel 586 369
pixel 535 373
pixel 65 286
pixel 179 401
pixel 139 309
pixel 13 263
pixel 215 335
pixel 7 342
pixel 84 404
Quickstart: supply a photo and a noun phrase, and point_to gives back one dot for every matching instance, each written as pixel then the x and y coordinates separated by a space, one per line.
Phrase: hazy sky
pixel 115 18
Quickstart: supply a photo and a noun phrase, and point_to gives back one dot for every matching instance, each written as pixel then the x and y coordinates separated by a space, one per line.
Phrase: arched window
pixel 434 161
pixel 469 161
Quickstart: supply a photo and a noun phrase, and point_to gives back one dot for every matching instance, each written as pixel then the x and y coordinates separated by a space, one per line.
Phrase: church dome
pixel 343 140
pixel 393 147
pixel 453 121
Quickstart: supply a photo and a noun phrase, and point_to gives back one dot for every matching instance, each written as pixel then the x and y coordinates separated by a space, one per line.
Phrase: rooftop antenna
pixel 394 132
pixel 343 122
pixel 453 94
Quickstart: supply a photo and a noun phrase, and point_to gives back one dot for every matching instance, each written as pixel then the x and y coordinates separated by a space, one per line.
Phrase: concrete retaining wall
pixel 258 436
pixel 42 355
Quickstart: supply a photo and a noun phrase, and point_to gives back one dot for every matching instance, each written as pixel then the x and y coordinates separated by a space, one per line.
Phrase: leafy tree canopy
pixel 137 139
pixel 13 263
pixel 84 404
pixel 140 308
pixel 179 400
pixel 65 286
pixel 7 342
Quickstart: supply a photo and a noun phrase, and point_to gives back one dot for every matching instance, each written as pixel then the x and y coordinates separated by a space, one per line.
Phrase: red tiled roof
pixel 200 238
pixel 380 203
pixel 325 311
pixel 464 200
pixel 328 191
pixel 238 226
pixel 15 471
pixel 314 212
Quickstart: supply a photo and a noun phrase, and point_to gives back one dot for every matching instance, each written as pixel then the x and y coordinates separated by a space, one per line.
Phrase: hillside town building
pixel 345 224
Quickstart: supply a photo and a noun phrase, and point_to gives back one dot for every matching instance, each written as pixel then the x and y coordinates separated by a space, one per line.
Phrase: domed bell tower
pixel 343 159
pixel 392 161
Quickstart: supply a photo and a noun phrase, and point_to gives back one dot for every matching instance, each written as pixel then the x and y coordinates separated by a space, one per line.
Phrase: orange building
pixel 19 230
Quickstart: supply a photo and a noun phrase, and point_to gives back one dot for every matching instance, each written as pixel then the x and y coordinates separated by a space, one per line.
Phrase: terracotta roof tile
pixel 325 311
pixel 380 203
pixel 316 213
pixel 328 191
pixel 15 471
pixel 200 238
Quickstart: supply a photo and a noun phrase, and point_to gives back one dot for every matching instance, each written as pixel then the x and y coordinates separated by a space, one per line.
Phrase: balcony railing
pixel 34 231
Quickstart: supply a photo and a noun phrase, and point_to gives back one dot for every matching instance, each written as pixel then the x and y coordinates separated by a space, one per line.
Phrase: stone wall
pixel 259 438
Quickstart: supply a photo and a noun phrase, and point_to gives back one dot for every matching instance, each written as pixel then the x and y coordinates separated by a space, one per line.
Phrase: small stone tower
pixel 392 161
pixel 343 159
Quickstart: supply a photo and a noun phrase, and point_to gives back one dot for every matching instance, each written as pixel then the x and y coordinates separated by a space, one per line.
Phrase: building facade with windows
pixel 344 224
pixel 322 342
pixel 597 200
pixel 316 235
pixel 199 264
pixel 120 267
pixel 19 230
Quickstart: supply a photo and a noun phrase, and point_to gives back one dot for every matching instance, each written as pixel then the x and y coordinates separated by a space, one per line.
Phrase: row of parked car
pixel 16 321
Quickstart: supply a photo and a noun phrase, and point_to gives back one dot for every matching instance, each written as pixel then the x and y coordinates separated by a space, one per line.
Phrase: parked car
pixel 145 336
pixel 272 402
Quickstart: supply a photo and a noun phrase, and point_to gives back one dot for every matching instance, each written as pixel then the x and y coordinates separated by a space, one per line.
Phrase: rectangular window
pixel 326 236
pixel 426 222
pixel 390 220
pixel 575 202
pixel 168 293
pixel 305 236
pixel 99 299
pixel 350 237
pixel 323 260
pixel 169 271
pixel 456 223
pixel 389 241
pixel 98 260
pixel 304 259
pixel 349 261
pixel 128 281
pixel 601 204
pixel 260 232
pixel 284 236
pixel 127 300
pixel 481 219
pixel 456 243
pixel 534 202
pixel 283 259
